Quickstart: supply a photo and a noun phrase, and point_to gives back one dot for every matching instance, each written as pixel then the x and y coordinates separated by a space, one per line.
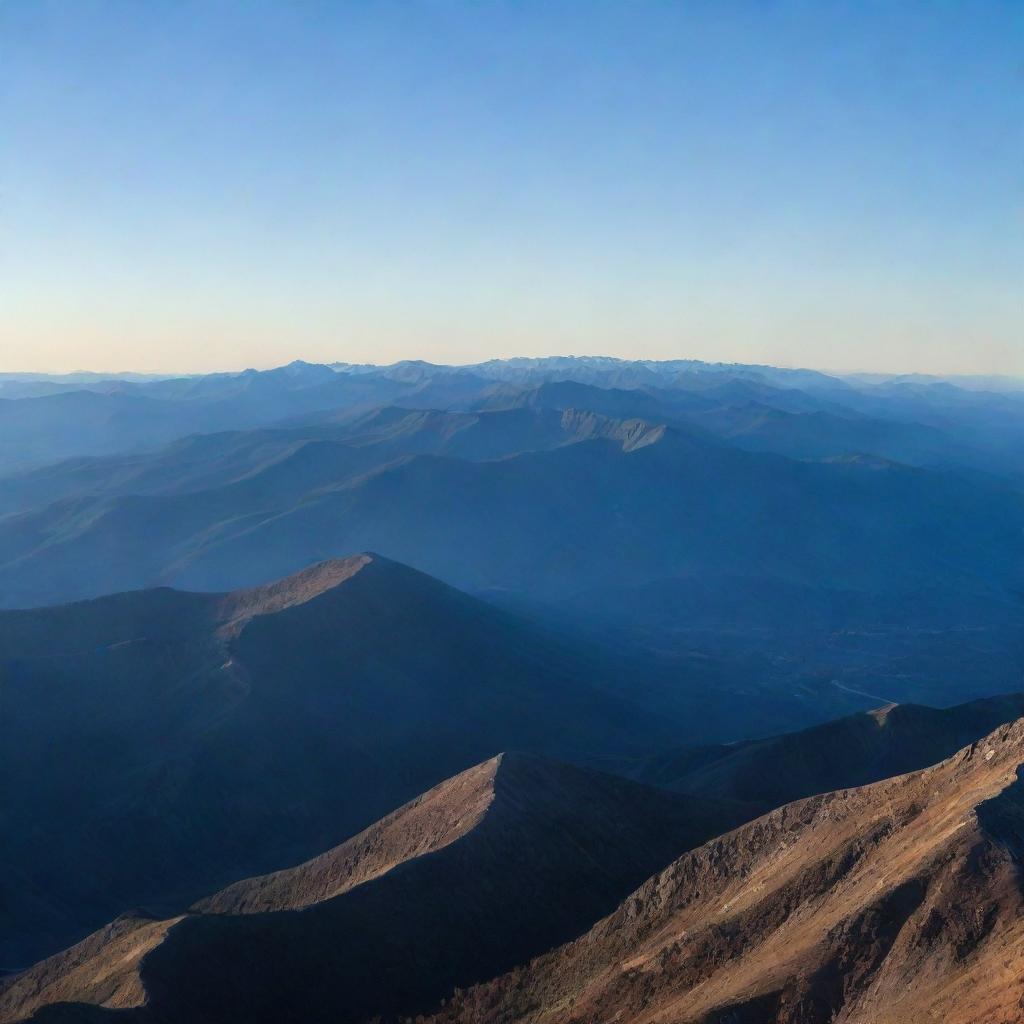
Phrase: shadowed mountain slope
pixel 156 745
pixel 900 901
pixel 595 515
pixel 821 434
pixel 851 751
pixel 485 870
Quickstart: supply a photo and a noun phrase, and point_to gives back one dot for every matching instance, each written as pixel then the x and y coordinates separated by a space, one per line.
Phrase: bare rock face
pixel 900 901
pixel 487 869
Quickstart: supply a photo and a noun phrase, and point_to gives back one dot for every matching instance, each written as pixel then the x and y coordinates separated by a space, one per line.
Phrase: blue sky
pixel 224 184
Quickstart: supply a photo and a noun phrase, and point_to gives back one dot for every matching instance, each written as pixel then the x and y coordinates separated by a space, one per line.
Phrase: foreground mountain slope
pixel 485 870
pixel 156 745
pixel 851 751
pixel 533 844
pixel 899 901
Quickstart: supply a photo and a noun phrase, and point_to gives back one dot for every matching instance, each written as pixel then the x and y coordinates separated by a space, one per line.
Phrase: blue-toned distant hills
pixel 825 536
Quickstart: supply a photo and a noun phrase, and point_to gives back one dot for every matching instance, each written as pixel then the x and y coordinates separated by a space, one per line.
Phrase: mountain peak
pixel 302 586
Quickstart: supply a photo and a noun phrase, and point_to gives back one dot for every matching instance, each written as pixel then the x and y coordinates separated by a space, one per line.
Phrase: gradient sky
pixel 213 185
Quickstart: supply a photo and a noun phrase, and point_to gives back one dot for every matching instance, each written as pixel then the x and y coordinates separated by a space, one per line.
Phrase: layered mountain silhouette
pixel 835 542
pixel 281 463
pixel 899 901
pixel 485 870
pixel 654 569
pixel 306 455
pixel 629 504
pixel 920 420
pixel 156 745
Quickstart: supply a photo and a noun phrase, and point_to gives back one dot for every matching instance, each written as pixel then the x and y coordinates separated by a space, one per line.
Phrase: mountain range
pixel 931 420
pixel 631 504
pixel 868 532
pixel 561 691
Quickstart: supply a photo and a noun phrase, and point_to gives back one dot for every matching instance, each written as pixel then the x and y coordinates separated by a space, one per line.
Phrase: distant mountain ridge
pixel 46 419
pixel 870 537
pixel 643 501
pixel 868 485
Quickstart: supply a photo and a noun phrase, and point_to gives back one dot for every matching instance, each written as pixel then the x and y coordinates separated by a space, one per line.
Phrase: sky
pixel 214 185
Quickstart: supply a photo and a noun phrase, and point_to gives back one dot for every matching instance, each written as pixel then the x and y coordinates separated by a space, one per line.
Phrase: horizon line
pixel 264 368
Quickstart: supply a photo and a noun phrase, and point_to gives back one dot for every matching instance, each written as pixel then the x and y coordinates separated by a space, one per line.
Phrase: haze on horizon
pixel 195 186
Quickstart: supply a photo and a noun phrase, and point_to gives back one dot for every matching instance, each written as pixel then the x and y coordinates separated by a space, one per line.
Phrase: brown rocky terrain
pixel 485 870
pixel 897 902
